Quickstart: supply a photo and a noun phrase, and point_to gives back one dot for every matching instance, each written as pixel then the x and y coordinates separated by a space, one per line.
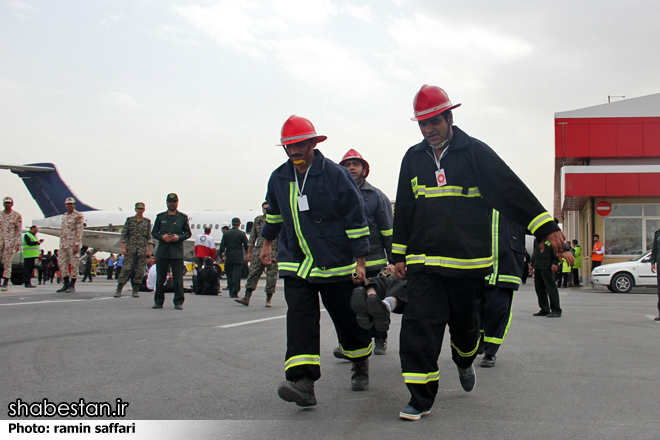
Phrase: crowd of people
pixel 452 256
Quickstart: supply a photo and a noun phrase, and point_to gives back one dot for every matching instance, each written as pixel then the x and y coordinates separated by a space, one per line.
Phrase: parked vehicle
pixel 622 277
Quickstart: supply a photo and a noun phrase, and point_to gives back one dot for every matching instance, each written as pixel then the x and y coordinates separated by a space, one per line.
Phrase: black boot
pixel 72 286
pixel 360 378
pixel 65 285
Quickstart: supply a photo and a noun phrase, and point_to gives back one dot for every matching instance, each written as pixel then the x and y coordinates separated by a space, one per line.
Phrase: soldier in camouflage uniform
pixel 135 245
pixel 256 266
pixel 70 243
pixel 11 224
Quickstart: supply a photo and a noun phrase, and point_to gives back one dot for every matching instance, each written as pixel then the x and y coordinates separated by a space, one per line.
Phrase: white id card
pixel 440 177
pixel 302 203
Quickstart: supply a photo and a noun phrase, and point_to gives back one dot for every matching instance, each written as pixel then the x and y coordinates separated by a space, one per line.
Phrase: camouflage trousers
pixel 7 253
pixel 256 269
pixel 69 262
pixel 134 258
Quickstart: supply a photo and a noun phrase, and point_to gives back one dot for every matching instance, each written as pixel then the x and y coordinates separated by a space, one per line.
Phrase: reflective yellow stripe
pixel 360 352
pixel 455 263
pixel 510 279
pixel 495 231
pixel 292 267
pixel 399 248
pixel 445 191
pixel 387 232
pixel 306 265
pixel 357 233
pixel 375 262
pixel 421 377
pixel 468 354
pixel 272 218
pixel 539 221
pixel 303 359
pixel 333 272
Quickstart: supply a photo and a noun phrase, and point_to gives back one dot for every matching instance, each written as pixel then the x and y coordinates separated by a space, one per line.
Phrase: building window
pixel 629 229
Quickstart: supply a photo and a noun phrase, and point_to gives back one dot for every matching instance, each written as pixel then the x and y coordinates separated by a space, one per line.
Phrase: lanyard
pixel 437 159
pixel 295 174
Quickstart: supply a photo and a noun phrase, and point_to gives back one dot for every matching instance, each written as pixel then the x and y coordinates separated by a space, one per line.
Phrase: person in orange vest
pixel 597 252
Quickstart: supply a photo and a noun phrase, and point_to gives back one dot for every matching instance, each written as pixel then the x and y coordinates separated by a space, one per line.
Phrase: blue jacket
pixel 508 244
pixel 379 214
pixel 321 244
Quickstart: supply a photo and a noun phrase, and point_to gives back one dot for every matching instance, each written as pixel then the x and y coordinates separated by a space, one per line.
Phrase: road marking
pixel 50 302
pixel 255 321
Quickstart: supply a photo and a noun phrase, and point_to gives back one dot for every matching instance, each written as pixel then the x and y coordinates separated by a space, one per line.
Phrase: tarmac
pixel 211 370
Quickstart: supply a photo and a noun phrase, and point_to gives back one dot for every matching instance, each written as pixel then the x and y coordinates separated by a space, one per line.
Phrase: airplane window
pixel 198 226
pixel 216 226
pixel 204 225
pixel 249 227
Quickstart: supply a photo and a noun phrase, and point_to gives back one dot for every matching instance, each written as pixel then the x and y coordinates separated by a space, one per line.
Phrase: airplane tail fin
pixel 47 187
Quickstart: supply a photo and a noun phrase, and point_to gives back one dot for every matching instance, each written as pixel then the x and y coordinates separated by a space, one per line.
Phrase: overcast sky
pixel 135 99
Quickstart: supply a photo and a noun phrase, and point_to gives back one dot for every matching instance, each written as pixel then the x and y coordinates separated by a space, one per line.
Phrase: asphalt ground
pixel 212 369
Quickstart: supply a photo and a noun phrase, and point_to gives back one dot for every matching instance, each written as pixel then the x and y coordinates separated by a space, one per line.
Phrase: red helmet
pixel 297 129
pixel 352 154
pixel 430 101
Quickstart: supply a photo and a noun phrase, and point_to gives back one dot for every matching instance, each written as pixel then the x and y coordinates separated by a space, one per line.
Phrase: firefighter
pixel 442 242
pixel 378 211
pixel 316 210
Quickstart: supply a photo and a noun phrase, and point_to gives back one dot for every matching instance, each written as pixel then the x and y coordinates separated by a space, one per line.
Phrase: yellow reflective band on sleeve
pixel 303 359
pixel 454 263
pixel 271 218
pixel 387 232
pixel 539 221
pixel 306 265
pixel 421 377
pixel 375 262
pixel 333 272
pixel 445 191
pixel 464 354
pixel 359 352
pixel 357 233
pixel 399 248
pixel 510 279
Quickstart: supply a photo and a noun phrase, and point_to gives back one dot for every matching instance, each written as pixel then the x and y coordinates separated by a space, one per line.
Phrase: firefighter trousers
pixel 303 325
pixel 435 301
pixel 495 316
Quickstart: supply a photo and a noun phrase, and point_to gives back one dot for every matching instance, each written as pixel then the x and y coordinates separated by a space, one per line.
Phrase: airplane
pixel 102 229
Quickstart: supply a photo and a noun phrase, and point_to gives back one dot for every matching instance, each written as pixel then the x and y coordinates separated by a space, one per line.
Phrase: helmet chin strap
pixel 299 162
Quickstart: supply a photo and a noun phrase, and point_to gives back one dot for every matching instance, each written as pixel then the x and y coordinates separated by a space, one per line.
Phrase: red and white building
pixel 607 176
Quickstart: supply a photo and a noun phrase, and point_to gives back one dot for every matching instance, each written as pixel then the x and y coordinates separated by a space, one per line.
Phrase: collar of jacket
pixel 286 169
pixel 459 139
pixel 366 186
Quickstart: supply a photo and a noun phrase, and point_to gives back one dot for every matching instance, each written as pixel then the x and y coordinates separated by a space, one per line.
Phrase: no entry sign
pixel 603 208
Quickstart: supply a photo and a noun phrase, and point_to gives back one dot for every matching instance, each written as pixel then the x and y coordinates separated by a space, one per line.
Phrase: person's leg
pixel 28 268
pixel 162 266
pixel 540 280
pixel 176 266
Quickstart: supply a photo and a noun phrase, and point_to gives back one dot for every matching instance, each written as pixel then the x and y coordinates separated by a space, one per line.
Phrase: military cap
pixel 7 199
pixel 139 205
pixel 70 200
pixel 172 197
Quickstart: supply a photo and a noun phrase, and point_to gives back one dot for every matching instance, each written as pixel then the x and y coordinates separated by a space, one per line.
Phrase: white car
pixel 622 277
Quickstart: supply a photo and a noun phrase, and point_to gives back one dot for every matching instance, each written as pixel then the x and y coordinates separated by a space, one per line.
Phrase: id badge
pixel 302 203
pixel 440 177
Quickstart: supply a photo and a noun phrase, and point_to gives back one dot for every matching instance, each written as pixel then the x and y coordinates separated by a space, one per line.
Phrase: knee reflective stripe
pixel 387 232
pixel 421 377
pixel 399 248
pixel 357 233
pixel 303 359
pixel 306 265
pixel 468 354
pixel 539 221
pixel 375 262
pixel 271 218
pixel 359 352
pixel 455 263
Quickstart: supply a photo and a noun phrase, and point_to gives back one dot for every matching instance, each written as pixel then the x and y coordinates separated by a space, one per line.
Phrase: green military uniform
pixel 169 255
pixel 257 267
pixel 135 235
pixel 233 242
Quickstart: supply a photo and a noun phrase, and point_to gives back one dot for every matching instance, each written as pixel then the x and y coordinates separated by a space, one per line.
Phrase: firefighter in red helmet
pixel 371 312
pixel 317 212
pixel 448 185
